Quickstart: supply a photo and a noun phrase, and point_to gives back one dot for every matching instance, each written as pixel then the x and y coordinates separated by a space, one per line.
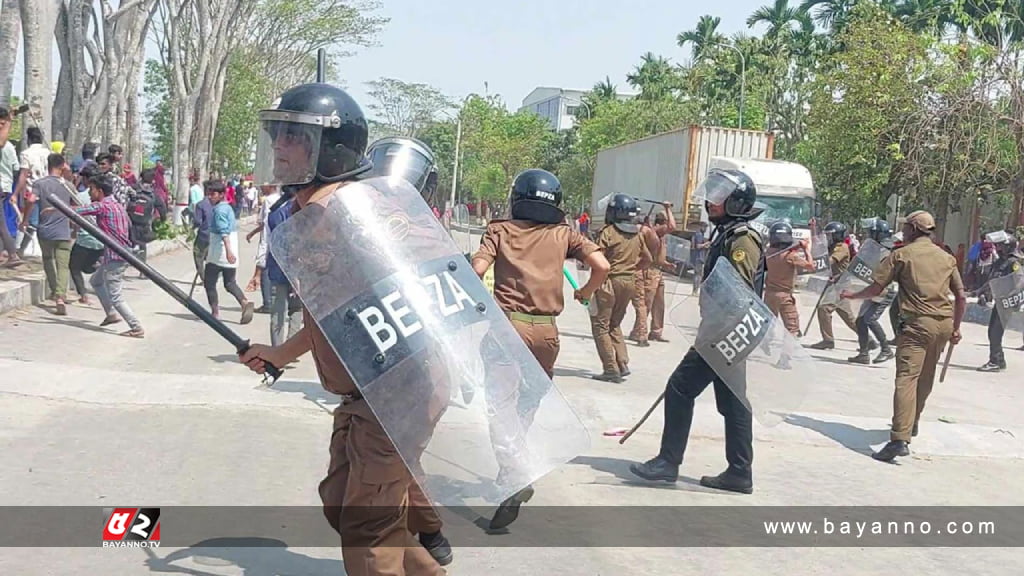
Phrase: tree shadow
pixel 852 437
pixel 254 556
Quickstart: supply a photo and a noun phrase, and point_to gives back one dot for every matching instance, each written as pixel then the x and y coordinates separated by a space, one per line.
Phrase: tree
pixel 703 36
pixel 38 20
pixel 158 110
pixel 246 92
pixel 10 37
pixel 406 107
pixel 869 91
pixel 655 77
pixel 779 16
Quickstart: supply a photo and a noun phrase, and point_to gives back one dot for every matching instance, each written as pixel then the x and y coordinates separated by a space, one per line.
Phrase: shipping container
pixel 668 167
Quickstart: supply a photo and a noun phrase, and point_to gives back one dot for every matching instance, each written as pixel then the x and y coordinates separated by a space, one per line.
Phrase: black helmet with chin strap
pixel 536 195
pixel 405 158
pixel 314 133
pixel 780 234
pixel 622 212
pixel 835 232
pixel 731 189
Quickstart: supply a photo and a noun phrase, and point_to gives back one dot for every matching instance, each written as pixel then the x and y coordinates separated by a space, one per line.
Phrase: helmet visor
pixel 397 160
pixel 287 148
pixel 998 237
pixel 715 189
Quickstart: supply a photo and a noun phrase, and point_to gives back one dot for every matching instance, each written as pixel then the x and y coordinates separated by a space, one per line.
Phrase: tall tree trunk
pixel 10 36
pixel 39 19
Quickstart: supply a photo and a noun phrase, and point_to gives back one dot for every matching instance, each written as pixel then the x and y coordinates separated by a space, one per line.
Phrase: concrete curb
pixel 16 294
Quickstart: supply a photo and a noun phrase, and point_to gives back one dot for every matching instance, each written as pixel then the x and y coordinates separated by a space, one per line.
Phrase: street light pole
pixel 455 170
pixel 743 77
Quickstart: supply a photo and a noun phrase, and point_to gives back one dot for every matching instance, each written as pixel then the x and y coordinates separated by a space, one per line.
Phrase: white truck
pixel 785 189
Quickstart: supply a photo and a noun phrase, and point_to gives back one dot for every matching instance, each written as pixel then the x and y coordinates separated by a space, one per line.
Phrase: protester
pixel 285 308
pixel 259 279
pixel 141 210
pixel 9 166
pixel 108 281
pixel 54 228
pixel 222 256
pixel 117 158
pixel 108 165
pixel 201 219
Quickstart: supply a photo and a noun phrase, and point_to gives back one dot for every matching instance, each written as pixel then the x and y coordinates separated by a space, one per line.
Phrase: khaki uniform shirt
pixel 528 258
pixel 926 275
pixel 781 269
pixel 622 250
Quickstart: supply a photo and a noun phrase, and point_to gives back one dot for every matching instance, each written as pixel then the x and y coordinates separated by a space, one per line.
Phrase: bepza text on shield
pixel 743 336
pixel 1012 302
pixel 392 316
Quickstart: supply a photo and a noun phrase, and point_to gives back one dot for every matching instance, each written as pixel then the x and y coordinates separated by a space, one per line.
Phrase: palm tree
pixel 703 36
pixel 778 17
pixel 655 77
pixel 830 14
pixel 922 15
pixel 604 90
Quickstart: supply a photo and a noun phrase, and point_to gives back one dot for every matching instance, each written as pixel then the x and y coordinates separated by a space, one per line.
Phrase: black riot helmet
pixel 780 234
pixel 622 212
pixel 405 158
pixel 1005 242
pixel 536 195
pixel 733 190
pixel 313 133
pixel 877 229
pixel 835 232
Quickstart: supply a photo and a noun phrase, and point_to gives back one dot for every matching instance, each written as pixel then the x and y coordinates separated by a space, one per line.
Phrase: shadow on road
pixel 254 556
pixel 852 437
pixel 310 390
pixel 574 372
pixel 620 469
pixel 64 320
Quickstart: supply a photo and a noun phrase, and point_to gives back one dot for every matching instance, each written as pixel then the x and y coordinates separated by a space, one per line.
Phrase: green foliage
pixel 158 111
pixel 246 92
pixel 165 230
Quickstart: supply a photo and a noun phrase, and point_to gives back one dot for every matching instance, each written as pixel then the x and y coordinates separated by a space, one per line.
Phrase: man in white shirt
pixel 9 166
pixel 259 280
pixel 33 167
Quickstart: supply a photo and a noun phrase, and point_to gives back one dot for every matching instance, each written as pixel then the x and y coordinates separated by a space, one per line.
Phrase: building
pixel 557 105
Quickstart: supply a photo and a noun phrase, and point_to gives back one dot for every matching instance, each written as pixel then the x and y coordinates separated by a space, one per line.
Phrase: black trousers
pixel 83 261
pixel 211 273
pixel 867 321
pixel 686 383
pixel 995 339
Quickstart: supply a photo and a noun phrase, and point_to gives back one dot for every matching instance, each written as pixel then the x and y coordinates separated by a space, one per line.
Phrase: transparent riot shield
pixel 409 320
pixel 1008 299
pixel 819 252
pixel 747 347
pixel 859 273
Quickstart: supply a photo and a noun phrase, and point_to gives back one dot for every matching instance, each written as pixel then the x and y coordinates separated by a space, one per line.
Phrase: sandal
pixel 134 333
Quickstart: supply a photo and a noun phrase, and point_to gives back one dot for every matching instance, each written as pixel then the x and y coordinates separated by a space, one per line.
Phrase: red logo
pixel 132 525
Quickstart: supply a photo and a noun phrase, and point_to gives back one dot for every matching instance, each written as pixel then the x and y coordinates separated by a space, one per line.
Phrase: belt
pixel 621 274
pixel 530 318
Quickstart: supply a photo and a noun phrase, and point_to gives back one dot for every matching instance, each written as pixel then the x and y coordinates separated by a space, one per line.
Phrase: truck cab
pixel 784 189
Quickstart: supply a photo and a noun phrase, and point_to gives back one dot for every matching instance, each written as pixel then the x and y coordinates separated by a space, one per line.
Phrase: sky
pixel 509 48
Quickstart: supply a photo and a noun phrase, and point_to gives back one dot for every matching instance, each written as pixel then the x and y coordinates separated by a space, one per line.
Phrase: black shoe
pixel 913 433
pixel 990 367
pixel 728 482
pixel 263 310
pixel 884 356
pixel 862 358
pixel 656 470
pixel 823 345
pixel 872 345
pixel 891 451
pixel 608 377
pixel 438 546
pixel 508 511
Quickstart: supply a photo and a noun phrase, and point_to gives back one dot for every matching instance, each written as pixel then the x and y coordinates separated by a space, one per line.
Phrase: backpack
pixel 140 212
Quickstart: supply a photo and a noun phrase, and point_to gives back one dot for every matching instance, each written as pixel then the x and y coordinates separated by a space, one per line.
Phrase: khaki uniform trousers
pixel 845 313
pixel 613 298
pixel 648 299
pixel 783 305
pixel 918 346
pixel 371 500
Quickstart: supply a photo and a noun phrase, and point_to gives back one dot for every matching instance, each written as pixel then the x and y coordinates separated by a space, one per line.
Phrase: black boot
pixel 860 358
pixel 730 482
pixel 508 510
pixel 884 356
pixel 913 433
pixel 438 546
pixel 624 371
pixel 891 451
pixel 823 345
pixel 656 470
pixel 992 367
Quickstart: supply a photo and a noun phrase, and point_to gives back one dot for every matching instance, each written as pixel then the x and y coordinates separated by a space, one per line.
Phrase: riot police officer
pixel 871 310
pixel 623 247
pixel 1010 262
pixel 729 197
pixel 406 158
pixel 786 256
pixel 839 260
pixel 313 142
pixel 528 253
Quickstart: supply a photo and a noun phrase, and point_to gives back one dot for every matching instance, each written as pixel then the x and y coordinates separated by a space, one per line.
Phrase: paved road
pixel 91 419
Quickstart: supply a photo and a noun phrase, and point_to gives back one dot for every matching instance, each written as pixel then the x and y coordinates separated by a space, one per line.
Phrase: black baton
pixel 240 344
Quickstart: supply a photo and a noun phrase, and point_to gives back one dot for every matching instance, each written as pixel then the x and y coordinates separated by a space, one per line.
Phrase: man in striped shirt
pixel 108 280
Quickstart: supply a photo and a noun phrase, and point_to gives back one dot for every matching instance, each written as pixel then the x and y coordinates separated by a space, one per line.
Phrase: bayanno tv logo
pixel 132 528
